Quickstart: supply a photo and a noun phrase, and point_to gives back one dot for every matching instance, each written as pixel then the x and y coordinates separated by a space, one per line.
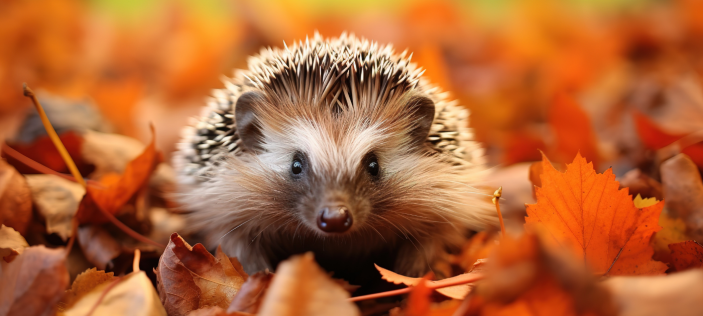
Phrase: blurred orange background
pixel 525 68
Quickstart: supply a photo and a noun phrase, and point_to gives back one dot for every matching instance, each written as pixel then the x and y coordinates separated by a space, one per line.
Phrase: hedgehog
pixel 337 146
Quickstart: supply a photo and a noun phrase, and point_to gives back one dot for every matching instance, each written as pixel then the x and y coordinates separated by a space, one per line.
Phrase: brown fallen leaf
pixel 586 212
pixel 686 255
pixel 84 284
pixel 57 200
pixel 678 294
pixel 110 153
pixel 250 295
pixel 118 191
pixel 33 283
pixel 683 191
pixel 132 295
pixel 190 277
pixel 300 287
pixel 11 243
pixel 98 246
pixel 15 201
pixel 458 292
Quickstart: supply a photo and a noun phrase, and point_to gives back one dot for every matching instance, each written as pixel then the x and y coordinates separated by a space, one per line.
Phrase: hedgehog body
pixel 336 146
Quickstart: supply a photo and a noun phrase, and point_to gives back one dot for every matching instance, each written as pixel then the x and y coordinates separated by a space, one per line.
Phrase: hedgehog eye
pixel 298 165
pixel 372 166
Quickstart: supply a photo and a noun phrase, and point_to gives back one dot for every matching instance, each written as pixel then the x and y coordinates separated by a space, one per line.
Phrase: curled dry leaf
pixel 529 276
pixel 15 201
pixel 683 190
pixel 98 246
pixel 249 297
pixel 84 284
pixel 11 243
pixel 678 294
pixel 641 184
pixel 190 277
pixel 118 192
pixel 32 284
pixel 57 200
pixel 133 295
pixel 300 287
pixel 586 212
pixel 686 255
pixel 458 292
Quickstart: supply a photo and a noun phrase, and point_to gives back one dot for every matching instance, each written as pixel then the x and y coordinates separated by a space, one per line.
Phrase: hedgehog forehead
pixel 330 150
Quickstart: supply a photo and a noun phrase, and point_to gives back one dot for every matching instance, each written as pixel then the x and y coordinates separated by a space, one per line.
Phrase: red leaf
pixel 686 255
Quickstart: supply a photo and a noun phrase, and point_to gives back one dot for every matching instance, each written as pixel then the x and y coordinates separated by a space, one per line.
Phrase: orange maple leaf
pixel 119 190
pixel 585 211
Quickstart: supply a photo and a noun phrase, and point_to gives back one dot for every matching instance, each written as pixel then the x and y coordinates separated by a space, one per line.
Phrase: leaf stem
pixel 54 137
pixel 135 263
pixel 496 201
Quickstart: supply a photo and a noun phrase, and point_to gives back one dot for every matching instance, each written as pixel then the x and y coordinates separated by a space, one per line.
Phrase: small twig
pixel 496 201
pixel 126 228
pixel 461 280
pixel 135 263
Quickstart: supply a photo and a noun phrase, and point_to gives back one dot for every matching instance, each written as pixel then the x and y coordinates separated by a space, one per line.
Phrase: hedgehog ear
pixel 423 111
pixel 247 124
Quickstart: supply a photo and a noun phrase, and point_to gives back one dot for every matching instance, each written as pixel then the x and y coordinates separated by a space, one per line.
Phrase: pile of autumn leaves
pixel 588 248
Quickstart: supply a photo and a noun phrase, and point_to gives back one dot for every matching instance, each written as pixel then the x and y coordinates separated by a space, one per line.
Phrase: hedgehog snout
pixel 334 218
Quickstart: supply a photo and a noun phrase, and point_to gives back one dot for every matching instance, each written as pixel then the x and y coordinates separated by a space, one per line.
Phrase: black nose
pixel 334 219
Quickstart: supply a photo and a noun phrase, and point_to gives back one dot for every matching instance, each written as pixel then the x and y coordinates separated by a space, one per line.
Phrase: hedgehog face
pixel 333 166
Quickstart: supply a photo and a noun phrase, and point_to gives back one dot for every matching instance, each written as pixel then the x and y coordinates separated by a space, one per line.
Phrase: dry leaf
pixel 118 192
pixel 458 292
pixel 98 246
pixel 32 284
pixel 683 190
pixel 251 294
pixel 57 200
pixel 190 277
pixel 300 287
pixel 84 284
pixel 133 295
pixel 479 246
pixel 11 243
pixel 15 201
pixel 677 294
pixel 686 255
pixel 110 153
pixel 586 212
